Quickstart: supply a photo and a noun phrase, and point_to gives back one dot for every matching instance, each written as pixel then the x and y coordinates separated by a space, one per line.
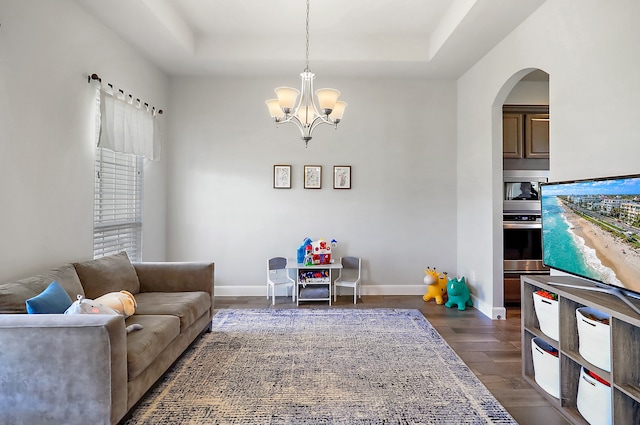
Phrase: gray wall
pixel 589 49
pixel 399 216
pixel 47 133
pixel 426 155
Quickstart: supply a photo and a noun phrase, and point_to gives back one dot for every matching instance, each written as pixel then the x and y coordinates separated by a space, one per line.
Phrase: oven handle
pixel 524 226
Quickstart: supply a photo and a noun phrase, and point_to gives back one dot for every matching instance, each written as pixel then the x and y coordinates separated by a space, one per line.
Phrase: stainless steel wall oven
pixel 522 243
pixel 522 229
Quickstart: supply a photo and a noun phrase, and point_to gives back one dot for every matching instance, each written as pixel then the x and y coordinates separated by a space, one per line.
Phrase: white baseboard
pixel 494 313
pixel 261 290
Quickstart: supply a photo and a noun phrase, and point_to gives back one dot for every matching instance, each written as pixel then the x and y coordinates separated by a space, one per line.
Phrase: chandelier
pixel 305 114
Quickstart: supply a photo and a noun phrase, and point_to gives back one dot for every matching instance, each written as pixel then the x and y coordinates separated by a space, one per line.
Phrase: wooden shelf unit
pixel 326 280
pixel 625 346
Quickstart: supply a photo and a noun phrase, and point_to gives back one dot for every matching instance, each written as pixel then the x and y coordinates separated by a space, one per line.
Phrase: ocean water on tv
pixel 562 249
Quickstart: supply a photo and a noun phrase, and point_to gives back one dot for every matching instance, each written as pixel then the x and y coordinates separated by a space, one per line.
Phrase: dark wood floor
pixel 491 348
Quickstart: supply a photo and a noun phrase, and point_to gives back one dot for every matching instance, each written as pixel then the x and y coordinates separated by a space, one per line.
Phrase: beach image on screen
pixel 592 229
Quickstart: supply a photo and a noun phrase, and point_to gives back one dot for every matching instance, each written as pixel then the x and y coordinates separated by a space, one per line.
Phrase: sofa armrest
pixel 56 368
pixel 175 277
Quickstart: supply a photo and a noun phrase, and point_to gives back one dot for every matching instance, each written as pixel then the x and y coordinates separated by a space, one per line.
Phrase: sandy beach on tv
pixel 612 252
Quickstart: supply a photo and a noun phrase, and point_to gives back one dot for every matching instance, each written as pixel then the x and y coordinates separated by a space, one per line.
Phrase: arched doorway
pixel 523 111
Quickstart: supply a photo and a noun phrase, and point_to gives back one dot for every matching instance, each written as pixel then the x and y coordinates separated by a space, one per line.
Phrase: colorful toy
pixel 302 250
pixel 548 295
pixel 308 256
pixel 86 306
pixel 321 252
pixel 458 293
pixel 436 285
pixel 313 276
pixel 123 302
pixel 312 253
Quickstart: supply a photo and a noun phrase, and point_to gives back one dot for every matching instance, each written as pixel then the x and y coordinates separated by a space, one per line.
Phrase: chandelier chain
pixel 307 45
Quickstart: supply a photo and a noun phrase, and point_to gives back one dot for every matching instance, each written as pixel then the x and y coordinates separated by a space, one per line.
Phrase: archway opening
pixel 521 128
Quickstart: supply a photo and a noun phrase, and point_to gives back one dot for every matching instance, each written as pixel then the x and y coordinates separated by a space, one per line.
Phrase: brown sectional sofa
pixel 78 369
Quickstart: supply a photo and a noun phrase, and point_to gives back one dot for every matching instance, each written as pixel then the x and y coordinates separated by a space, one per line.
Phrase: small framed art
pixel 282 176
pixel 342 177
pixel 312 176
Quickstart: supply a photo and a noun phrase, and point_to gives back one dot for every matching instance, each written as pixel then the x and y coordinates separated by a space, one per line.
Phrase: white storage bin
pixel 546 367
pixel 594 400
pixel 594 337
pixel 547 313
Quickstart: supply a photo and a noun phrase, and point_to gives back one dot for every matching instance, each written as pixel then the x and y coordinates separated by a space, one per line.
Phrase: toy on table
pixel 436 285
pixel 321 252
pixel 308 256
pixel 312 253
pixel 458 294
pixel 302 250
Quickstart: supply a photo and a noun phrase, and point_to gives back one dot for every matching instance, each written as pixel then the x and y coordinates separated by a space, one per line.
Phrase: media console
pixel 616 292
pixel 625 344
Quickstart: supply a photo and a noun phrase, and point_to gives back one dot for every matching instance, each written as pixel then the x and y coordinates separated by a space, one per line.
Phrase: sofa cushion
pixel 13 295
pixel 111 273
pixel 144 345
pixel 53 300
pixel 188 306
pixel 66 277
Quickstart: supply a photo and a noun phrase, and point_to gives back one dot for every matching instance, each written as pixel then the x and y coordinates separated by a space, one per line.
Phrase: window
pixel 117 219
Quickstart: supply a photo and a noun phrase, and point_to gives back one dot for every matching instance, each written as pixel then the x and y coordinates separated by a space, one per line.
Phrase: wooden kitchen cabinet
pixel 512 135
pixel 525 131
pixel 536 140
pixel 511 289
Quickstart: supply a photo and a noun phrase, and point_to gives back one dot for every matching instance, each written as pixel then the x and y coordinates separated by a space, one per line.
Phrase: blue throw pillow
pixel 53 300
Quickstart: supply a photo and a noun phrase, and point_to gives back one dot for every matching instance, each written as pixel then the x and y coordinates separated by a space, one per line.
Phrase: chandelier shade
pixel 287 97
pixel 327 99
pixel 338 110
pixel 274 109
pixel 303 110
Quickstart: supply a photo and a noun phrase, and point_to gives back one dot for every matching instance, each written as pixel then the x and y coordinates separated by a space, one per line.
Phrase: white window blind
pixel 117 221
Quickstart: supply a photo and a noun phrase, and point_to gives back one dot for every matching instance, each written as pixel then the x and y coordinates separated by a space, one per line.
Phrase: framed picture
pixel 282 176
pixel 312 176
pixel 342 177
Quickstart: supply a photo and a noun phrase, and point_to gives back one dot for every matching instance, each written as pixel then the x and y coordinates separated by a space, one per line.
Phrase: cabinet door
pixel 512 289
pixel 512 135
pixel 537 136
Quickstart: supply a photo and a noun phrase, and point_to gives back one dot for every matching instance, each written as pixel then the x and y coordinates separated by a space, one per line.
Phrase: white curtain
pixel 128 126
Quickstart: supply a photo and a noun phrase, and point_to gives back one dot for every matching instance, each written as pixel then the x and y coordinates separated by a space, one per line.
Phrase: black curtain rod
pixel 96 77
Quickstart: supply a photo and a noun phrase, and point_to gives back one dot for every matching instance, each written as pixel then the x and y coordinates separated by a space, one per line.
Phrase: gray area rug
pixel 334 366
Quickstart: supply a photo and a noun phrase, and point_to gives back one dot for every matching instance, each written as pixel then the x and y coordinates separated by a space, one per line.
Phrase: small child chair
pixel 278 275
pixel 349 276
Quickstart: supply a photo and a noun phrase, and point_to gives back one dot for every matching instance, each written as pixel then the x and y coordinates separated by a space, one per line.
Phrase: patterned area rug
pixel 335 366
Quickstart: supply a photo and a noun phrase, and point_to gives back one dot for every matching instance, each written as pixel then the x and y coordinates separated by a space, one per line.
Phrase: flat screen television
pixel 591 229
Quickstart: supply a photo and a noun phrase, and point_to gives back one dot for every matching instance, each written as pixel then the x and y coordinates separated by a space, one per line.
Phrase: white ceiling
pixel 432 38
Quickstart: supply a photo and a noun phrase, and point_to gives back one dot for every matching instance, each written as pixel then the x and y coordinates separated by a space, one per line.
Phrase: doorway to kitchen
pixel 525 130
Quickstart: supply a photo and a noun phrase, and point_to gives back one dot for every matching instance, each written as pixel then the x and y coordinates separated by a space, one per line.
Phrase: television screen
pixel 591 229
